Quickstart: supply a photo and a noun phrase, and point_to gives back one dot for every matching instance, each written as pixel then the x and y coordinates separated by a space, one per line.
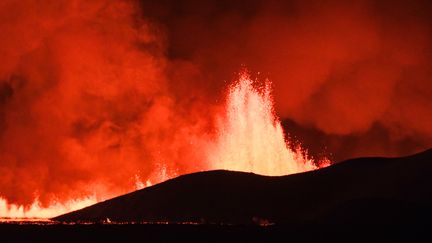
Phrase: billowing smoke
pixel 85 104
pixel 94 94
pixel 351 78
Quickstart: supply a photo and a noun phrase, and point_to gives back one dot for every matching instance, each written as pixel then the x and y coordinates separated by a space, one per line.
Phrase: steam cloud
pixel 94 92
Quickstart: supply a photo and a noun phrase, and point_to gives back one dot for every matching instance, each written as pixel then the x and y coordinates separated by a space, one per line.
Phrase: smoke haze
pixel 93 93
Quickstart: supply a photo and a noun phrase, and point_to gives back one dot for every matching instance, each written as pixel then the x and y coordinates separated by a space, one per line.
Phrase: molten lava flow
pixel 8 211
pixel 250 136
pixel 12 212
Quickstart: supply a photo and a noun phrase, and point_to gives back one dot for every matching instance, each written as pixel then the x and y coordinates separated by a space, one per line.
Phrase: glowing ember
pixel 251 137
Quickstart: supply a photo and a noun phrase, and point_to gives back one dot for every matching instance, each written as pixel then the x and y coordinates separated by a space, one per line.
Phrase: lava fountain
pixel 250 136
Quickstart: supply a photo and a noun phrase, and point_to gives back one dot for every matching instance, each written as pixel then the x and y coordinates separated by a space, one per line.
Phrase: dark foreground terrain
pixel 359 191
pixel 368 199
pixel 209 233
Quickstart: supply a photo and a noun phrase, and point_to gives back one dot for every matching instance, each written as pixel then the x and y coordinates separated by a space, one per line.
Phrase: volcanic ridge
pixel 358 191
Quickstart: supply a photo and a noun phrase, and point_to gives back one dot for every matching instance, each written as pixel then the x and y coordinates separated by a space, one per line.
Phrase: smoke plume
pixel 350 78
pixel 94 94
pixel 85 103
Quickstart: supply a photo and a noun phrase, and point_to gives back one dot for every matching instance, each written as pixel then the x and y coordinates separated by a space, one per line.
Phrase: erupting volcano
pixel 249 138
pixel 215 112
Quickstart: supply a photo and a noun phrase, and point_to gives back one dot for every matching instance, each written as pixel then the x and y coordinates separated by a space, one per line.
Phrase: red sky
pixel 94 92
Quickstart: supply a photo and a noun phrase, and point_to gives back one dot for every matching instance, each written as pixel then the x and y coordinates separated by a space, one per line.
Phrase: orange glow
pixel 250 136
pixel 105 97
pixel 35 210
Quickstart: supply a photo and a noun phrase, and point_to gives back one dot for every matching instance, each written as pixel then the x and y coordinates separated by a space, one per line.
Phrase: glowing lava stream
pixel 249 138
pixel 8 212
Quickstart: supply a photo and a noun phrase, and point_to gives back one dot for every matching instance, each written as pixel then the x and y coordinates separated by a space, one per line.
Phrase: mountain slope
pixel 364 190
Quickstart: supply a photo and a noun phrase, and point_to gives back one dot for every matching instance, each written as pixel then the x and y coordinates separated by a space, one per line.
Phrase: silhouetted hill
pixel 357 191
